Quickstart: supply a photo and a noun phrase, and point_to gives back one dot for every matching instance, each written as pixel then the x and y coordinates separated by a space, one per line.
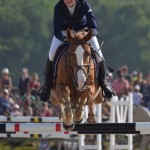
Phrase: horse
pixel 76 85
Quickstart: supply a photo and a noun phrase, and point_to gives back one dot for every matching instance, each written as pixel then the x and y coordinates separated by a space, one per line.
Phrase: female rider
pixel 75 15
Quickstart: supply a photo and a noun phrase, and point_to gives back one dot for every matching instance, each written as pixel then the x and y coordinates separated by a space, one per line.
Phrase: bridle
pixel 80 67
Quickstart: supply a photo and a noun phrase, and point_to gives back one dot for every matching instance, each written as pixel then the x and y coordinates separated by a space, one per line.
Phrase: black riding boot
pixel 44 92
pixel 107 89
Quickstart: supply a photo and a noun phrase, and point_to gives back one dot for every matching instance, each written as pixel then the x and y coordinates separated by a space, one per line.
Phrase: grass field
pixel 22 144
pixel 33 144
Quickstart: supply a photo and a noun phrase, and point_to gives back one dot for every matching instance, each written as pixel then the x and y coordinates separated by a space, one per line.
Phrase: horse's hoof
pixel 68 128
pixel 78 121
pixel 91 119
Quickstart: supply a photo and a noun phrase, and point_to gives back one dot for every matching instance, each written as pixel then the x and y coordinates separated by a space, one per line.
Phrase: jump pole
pixel 29 119
pixel 37 136
pixel 98 128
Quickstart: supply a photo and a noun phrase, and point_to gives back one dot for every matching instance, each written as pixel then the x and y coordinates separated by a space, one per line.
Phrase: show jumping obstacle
pixel 121 112
pixel 36 136
pixel 41 127
pixel 98 128
pixel 29 119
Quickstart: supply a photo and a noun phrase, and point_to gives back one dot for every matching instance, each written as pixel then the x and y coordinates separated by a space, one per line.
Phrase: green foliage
pixel 24 34
pixel 26 29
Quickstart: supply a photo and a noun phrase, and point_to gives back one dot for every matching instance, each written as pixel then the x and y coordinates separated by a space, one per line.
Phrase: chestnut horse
pixel 75 84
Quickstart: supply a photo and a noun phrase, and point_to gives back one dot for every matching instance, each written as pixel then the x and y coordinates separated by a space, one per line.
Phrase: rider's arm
pixel 91 22
pixel 57 24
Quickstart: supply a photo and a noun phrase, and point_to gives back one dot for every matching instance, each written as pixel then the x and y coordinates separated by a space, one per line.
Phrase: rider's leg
pixel 44 92
pixel 109 92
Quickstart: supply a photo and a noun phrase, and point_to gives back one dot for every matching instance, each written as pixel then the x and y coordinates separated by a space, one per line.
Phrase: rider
pixel 76 15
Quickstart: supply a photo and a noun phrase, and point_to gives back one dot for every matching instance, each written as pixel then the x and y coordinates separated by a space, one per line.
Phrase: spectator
pixel 120 85
pixel 28 96
pixel 6 112
pixel 134 76
pixel 15 111
pixel 5 80
pixel 146 93
pixel 26 109
pixel 24 81
pixel 34 84
pixel 139 80
pixel 125 72
pixel 137 96
pixel 45 111
pixel 6 96
pixel 5 102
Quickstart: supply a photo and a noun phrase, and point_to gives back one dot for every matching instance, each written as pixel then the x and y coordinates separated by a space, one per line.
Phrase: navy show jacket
pixel 81 18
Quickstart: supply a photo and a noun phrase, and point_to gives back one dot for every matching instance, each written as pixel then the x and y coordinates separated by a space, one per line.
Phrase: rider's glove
pixel 93 30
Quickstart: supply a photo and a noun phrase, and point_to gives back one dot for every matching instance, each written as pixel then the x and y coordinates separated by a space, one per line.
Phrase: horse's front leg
pixel 91 114
pixel 79 113
pixel 90 104
pixel 64 98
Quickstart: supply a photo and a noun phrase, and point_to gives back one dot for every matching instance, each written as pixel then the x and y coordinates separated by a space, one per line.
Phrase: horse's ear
pixel 89 35
pixel 70 36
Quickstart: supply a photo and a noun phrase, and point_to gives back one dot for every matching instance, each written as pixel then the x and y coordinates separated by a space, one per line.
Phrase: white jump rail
pixel 98 128
pixel 29 119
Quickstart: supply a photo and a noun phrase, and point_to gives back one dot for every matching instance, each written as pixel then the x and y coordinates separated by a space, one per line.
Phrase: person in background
pixel 75 15
pixel 5 80
pixel 24 81
pixel 126 73
pixel 6 112
pixel 120 85
pixel 34 84
pixel 27 109
pixel 137 96
pixel 15 111
pixel 6 96
pixel 139 80
pixel 6 102
pixel 45 111
pixel 146 93
pixel 28 96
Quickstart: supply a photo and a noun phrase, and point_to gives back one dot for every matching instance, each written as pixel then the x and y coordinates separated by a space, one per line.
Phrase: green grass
pixel 26 144
pixel 21 144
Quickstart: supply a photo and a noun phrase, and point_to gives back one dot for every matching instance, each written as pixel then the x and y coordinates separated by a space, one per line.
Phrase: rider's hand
pixel 93 30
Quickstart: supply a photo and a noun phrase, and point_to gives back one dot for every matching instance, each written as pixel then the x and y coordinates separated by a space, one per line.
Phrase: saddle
pixel 61 49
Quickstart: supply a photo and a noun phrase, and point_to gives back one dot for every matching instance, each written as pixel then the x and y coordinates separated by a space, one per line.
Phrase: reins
pixel 110 69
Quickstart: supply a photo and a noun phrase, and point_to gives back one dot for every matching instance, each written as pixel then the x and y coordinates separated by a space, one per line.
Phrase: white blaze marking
pixel 79 52
pixel 80 74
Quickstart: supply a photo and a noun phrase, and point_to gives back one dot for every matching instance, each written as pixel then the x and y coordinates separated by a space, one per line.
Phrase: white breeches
pixel 56 43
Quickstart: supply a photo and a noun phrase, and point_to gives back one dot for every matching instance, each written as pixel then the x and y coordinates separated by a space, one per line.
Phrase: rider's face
pixel 69 3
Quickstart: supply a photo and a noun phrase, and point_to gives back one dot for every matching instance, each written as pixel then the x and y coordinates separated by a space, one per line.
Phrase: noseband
pixel 80 67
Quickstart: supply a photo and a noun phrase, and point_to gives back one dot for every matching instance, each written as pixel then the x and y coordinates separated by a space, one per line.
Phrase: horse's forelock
pixel 80 35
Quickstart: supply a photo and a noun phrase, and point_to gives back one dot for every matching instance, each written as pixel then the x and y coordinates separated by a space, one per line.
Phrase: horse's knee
pixel 54 101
